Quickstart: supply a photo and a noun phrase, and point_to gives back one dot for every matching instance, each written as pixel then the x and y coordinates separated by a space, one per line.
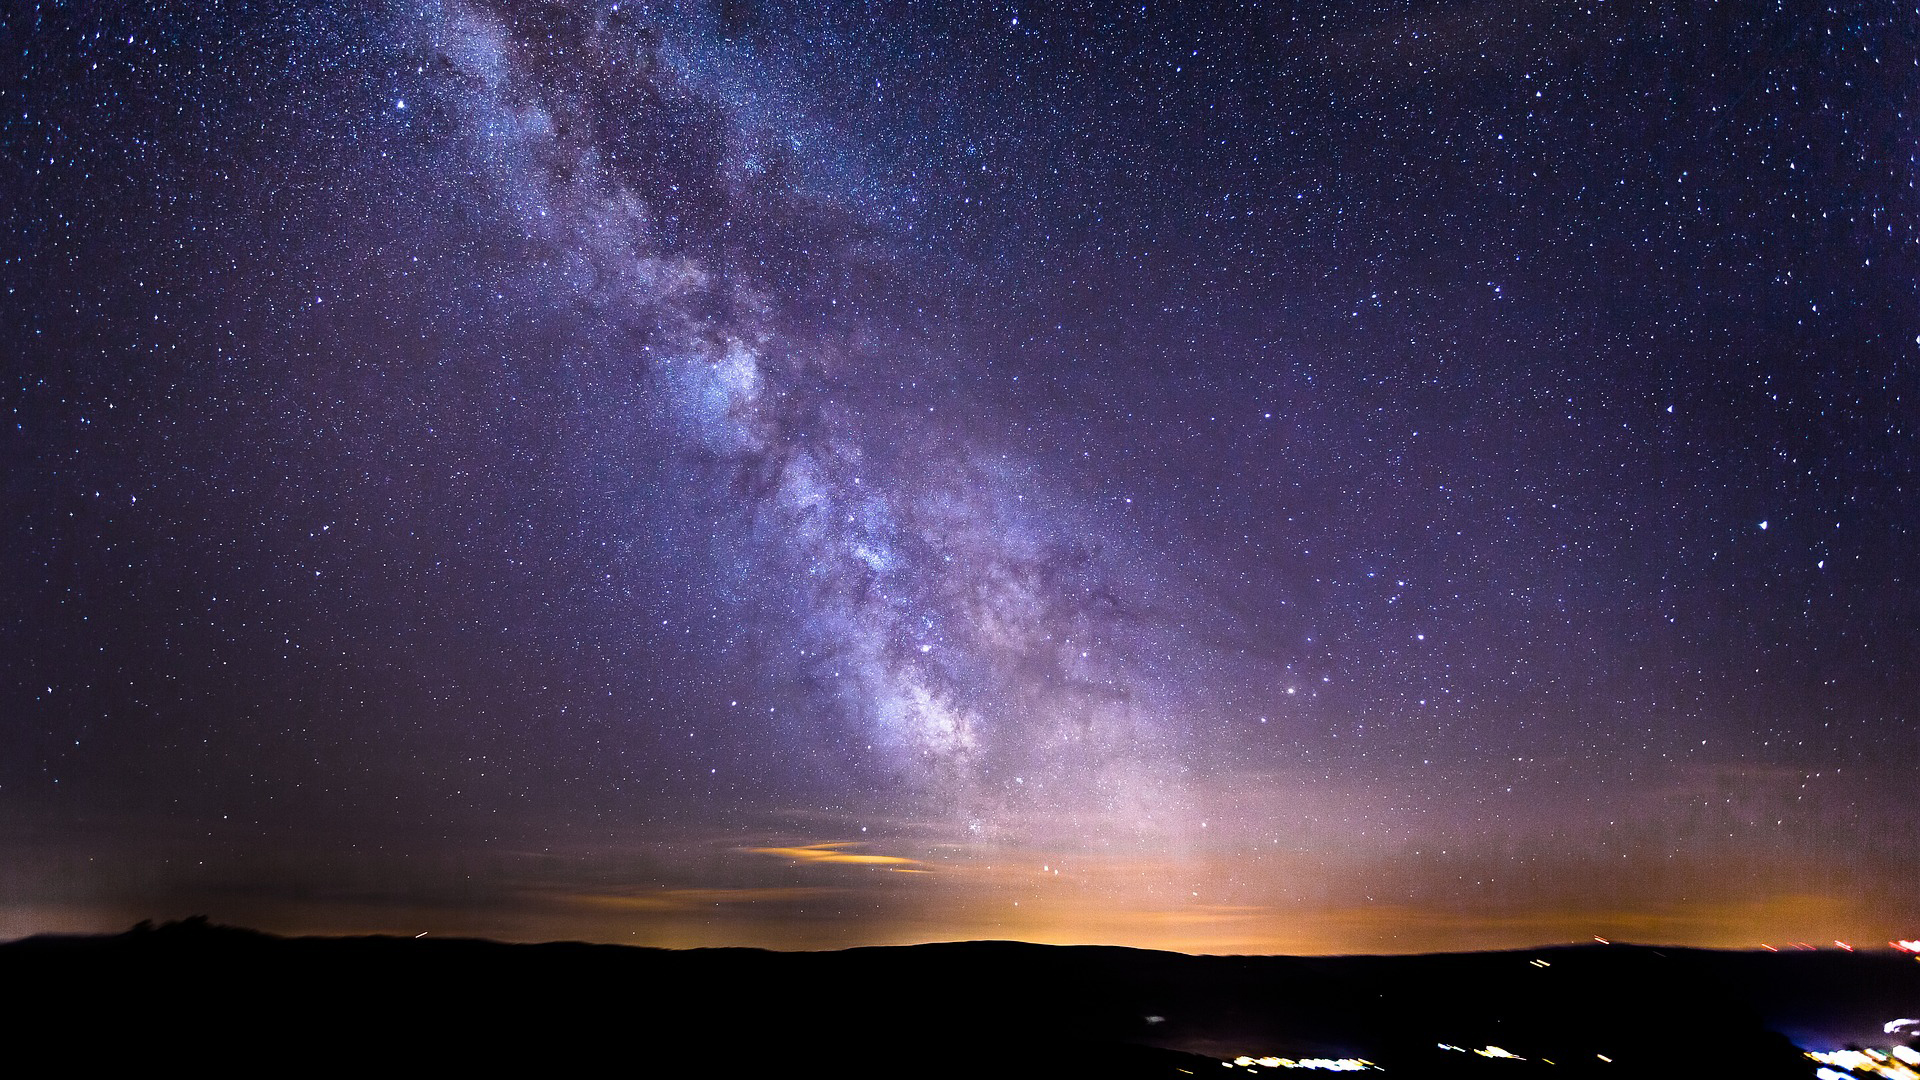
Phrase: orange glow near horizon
pixel 834 852
pixel 802 894
pixel 814 917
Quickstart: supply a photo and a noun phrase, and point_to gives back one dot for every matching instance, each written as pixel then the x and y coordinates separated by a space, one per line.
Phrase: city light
pixel 1321 1064
pixel 1895 1065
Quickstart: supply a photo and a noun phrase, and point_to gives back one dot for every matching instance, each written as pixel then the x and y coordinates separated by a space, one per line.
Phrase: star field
pixel 1336 477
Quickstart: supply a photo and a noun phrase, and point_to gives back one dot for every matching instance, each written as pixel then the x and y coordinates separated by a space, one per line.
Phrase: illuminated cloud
pixel 837 852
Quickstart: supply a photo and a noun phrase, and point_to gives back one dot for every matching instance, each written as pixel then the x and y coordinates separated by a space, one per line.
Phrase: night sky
pixel 1317 477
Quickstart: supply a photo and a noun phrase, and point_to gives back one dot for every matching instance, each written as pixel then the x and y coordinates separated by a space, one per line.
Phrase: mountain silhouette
pixel 220 998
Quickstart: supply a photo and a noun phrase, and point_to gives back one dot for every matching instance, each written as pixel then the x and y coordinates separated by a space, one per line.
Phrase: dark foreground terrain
pixel 222 1000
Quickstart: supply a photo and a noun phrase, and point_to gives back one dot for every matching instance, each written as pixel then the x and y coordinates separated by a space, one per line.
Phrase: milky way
pixel 957 627
pixel 1359 476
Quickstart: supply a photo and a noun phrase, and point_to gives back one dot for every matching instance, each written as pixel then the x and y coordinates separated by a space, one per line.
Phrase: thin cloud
pixel 835 852
pixel 695 899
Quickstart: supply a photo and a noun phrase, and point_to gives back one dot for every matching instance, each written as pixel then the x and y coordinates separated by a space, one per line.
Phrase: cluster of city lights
pixel 1322 1064
pixel 1896 1064
pixel 1485 1052
pixel 1910 945
pixel 1899 1063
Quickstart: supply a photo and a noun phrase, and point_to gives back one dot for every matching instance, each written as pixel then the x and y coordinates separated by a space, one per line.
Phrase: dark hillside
pixel 225 998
